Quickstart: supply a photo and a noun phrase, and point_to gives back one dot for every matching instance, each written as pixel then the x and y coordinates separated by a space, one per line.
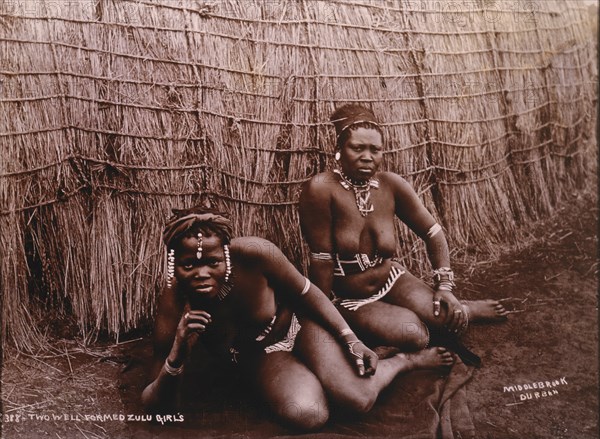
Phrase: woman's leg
pixel 383 324
pixel 290 389
pixel 325 357
pixel 414 294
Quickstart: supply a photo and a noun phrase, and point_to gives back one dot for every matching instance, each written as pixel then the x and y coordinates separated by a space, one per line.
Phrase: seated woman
pixel 235 296
pixel 347 217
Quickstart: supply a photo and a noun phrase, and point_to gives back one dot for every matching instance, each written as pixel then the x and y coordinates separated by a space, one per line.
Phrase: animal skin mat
pixel 417 405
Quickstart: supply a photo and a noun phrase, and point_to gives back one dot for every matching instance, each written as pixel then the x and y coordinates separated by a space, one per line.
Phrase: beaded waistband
pixel 359 263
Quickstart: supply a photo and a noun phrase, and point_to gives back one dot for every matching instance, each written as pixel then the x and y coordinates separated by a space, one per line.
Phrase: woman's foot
pixel 485 310
pixel 431 358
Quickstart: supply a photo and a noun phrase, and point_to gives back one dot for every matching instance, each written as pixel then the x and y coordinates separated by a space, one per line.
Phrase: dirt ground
pixel 540 369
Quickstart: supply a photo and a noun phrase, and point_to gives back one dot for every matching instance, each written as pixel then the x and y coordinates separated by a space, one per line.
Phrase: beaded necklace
pixel 362 191
pixel 224 291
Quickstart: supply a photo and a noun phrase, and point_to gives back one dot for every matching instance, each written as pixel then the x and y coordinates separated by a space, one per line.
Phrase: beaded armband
pixel 434 230
pixel 322 256
pixel 306 287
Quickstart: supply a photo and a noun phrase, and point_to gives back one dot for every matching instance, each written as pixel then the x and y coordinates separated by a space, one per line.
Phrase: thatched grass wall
pixel 114 111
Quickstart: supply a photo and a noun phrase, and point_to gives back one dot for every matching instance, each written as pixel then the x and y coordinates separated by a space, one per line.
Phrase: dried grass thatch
pixel 114 111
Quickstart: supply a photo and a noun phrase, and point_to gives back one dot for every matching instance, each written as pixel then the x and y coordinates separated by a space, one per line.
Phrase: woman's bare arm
pixel 160 394
pixel 413 213
pixel 176 328
pixel 315 222
pixel 285 279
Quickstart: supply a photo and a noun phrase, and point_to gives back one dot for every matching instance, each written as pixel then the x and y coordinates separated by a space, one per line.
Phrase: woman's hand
pixel 192 322
pixel 361 357
pixel 190 326
pixel 456 316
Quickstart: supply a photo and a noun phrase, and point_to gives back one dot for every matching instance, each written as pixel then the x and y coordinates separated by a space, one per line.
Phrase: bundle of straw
pixel 115 111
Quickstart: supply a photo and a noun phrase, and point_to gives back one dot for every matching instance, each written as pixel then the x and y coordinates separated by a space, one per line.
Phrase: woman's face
pixel 200 278
pixel 362 153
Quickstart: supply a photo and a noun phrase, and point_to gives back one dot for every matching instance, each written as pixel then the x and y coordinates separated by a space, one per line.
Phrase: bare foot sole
pixel 485 310
pixel 431 358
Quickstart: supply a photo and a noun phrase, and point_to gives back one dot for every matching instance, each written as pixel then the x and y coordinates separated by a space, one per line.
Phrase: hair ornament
pixel 199 252
pixel 227 263
pixel 170 267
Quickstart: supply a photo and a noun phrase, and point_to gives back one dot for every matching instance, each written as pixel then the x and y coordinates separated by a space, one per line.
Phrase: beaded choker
pixel 362 191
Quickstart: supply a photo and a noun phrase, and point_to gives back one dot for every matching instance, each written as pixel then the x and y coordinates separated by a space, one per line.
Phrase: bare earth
pixel 539 377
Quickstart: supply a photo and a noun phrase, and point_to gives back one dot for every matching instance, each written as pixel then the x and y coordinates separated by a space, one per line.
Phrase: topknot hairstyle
pixel 350 117
pixel 188 222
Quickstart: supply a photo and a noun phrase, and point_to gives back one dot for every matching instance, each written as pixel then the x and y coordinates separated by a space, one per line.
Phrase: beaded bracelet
pixel 173 371
pixel 349 343
pixel 443 278
pixel 446 286
pixel 345 331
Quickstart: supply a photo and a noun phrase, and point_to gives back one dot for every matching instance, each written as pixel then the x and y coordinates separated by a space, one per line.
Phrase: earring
pixel 170 267
pixel 337 156
pixel 227 263
pixel 199 252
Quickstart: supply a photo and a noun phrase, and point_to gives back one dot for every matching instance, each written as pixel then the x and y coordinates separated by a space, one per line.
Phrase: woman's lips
pixel 365 170
pixel 203 288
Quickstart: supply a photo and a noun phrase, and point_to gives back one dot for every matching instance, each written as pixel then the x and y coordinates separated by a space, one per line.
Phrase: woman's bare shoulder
pixel 253 252
pixel 394 181
pixel 317 191
pixel 320 181
pixel 241 242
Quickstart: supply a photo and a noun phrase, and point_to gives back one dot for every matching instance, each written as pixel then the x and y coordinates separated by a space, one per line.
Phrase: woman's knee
pixel 358 401
pixel 304 415
pixel 414 335
pixel 405 331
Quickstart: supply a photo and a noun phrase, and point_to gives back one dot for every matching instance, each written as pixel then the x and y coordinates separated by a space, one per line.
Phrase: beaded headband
pixel 176 226
pixel 354 122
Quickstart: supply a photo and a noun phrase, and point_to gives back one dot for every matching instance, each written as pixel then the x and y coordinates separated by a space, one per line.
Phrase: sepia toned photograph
pixel 324 219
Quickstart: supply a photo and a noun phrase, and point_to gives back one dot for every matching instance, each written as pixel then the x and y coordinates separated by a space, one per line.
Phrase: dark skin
pixel 331 223
pixel 318 370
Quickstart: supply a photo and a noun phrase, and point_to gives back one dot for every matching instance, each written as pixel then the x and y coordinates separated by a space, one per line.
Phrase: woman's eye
pixel 188 266
pixel 214 263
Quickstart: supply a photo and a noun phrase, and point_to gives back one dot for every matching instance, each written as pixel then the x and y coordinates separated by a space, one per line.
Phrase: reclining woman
pixel 347 217
pixel 235 296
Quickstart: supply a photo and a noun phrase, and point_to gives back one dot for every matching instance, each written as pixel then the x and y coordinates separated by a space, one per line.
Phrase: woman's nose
pixel 202 272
